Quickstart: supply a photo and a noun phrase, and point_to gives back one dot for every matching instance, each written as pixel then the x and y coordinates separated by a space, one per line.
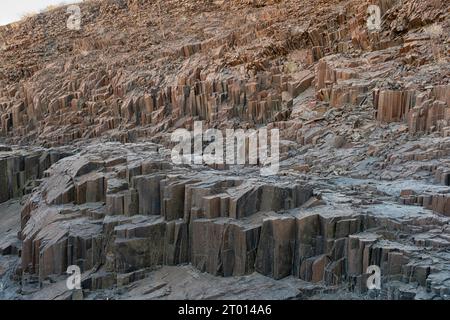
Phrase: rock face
pixel 329 244
pixel 320 245
pixel 20 171
pixel 274 257
pixel 88 210
pixel 86 118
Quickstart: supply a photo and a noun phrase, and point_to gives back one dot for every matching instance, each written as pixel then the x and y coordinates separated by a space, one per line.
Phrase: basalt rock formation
pixel 87 178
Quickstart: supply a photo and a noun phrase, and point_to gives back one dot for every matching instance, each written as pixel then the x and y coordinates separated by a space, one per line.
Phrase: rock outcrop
pixel 86 178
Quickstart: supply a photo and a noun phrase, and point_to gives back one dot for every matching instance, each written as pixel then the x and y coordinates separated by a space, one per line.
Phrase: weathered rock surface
pixel 364 121
pixel 64 226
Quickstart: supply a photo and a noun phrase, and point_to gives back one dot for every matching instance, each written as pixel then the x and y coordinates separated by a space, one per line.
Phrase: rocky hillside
pixel 86 176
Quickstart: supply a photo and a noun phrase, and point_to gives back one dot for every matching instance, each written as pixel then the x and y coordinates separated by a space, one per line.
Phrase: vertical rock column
pixel 276 247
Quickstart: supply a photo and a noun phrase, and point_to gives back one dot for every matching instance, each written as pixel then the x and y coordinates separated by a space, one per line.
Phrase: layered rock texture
pixel 86 176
